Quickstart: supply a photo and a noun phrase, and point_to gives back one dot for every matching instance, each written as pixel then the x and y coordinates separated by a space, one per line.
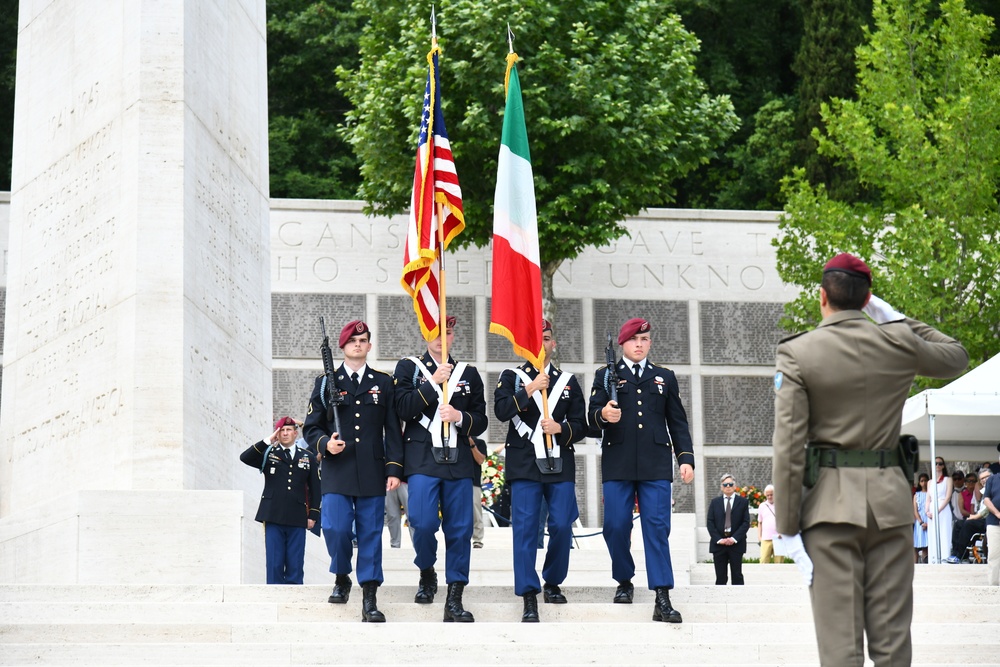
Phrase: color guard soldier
pixel 518 400
pixel 839 394
pixel 358 466
pixel 647 424
pixel 290 501
pixel 440 475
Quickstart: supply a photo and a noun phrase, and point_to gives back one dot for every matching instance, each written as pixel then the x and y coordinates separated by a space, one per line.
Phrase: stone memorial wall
pixel 706 280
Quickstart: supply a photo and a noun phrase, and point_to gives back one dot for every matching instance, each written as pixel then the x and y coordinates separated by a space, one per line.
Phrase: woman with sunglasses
pixel 940 526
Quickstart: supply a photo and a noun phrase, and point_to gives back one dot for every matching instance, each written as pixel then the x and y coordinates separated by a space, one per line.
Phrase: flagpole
pixel 442 308
pixel 545 411
pixel 443 317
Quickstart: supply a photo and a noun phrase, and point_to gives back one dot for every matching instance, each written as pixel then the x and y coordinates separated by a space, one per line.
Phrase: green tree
pixel 924 136
pixel 8 60
pixel 614 109
pixel 306 39
pixel 747 49
pixel 832 30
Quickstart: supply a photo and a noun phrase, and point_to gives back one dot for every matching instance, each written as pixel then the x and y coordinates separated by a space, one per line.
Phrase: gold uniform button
pixel 357 440
pixel 638 391
pixel 357 428
pixel 640 402
pixel 640 425
pixel 640 414
pixel 289 488
pixel 357 414
pixel 357 402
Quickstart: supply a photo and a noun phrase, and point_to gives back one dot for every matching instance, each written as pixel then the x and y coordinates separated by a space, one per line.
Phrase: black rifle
pixel 332 397
pixel 611 379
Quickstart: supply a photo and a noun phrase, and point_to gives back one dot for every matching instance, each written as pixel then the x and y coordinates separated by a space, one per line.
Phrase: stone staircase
pixel 766 622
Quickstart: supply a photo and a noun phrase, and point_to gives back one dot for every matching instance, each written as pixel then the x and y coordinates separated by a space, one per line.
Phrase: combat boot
pixel 341 590
pixel 662 611
pixel 453 610
pixel 369 605
pixel 530 614
pixel 427 586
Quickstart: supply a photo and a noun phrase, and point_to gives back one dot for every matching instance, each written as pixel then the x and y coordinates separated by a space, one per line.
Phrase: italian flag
pixel 517 276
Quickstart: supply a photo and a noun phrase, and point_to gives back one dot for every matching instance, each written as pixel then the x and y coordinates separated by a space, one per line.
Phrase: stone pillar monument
pixel 137 351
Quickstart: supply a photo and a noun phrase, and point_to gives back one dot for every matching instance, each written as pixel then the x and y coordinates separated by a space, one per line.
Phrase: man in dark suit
pixel 358 465
pixel 440 471
pixel 728 523
pixel 640 432
pixel 839 394
pixel 518 400
pixel 290 501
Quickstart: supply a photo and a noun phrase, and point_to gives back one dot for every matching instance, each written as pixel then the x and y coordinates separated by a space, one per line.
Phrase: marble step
pixel 505 643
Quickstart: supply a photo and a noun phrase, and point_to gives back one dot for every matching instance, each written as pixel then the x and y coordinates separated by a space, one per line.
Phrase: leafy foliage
pixel 615 111
pixel 924 137
pixel 306 40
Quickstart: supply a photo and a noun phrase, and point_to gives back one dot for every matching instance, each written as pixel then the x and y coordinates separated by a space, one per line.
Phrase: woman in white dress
pixel 939 528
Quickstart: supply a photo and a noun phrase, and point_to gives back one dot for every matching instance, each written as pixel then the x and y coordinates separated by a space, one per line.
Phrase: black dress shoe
pixel 662 611
pixel 623 594
pixel 530 614
pixel 552 594
pixel 341 590
pixel 427 586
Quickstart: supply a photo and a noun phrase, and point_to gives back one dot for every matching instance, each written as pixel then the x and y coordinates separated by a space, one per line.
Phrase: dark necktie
pixel 729 514
pixel 354 380
pixel 637 370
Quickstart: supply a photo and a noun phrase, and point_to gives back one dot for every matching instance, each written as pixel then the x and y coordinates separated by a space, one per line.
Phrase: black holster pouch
pixel 909 456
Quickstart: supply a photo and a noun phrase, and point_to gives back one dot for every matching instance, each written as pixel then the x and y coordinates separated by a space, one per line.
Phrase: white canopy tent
pixel 966 410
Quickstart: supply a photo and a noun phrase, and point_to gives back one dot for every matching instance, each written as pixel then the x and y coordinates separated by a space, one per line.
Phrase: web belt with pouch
pixel 820 455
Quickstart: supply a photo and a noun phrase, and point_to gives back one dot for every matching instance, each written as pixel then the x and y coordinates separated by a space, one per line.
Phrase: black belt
pixel 858 458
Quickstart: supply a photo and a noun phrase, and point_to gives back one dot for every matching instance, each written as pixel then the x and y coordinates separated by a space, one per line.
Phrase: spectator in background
pixel 963 531
pixel 728 523
pixel 991 499
pixel 958 509
pixel 940 517
pixel 920 520
pixel 478 530
pixel 396 502
pixel 767 528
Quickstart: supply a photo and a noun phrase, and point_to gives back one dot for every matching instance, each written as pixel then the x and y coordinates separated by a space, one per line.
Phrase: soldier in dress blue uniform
pixel 518 400
pixel 358 466
pixel 439 475
pixel 290 501
pixel 641 431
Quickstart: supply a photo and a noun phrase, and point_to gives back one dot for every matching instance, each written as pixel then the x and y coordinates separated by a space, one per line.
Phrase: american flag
pixel 435 181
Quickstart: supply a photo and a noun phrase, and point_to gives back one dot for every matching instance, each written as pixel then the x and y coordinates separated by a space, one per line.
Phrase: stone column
pixel 137 352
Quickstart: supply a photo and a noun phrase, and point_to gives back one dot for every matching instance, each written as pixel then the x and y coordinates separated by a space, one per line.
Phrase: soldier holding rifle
pixel 352 426
pixel 637 405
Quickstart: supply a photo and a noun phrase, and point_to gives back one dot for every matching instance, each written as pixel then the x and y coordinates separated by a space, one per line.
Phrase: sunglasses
pixel 938 463
pixel 728 484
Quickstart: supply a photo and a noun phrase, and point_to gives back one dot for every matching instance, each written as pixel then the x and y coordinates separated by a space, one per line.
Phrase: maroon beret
pixel 353 328
pixel 546 325
pixel 631 328
pixel 285 421
pixel 851 265
pixel 450 322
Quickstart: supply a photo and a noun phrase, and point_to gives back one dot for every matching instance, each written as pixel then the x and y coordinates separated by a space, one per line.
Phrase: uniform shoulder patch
pixel 778 378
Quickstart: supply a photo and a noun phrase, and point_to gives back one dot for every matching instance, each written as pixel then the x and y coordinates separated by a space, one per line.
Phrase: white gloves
pixel 796 550
pixel 882 312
